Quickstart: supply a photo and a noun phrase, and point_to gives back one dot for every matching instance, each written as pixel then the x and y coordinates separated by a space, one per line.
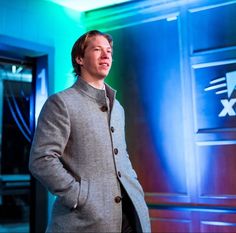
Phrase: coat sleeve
pixel 128 164
pixel 49 142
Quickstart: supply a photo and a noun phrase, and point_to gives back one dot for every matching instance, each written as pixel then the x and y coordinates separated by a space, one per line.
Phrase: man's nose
pixel 105 54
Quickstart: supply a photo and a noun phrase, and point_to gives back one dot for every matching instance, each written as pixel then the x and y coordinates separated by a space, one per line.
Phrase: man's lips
pixel 104 65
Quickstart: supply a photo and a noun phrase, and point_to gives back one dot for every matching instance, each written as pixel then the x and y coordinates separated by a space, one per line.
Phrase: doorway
pixel 16 105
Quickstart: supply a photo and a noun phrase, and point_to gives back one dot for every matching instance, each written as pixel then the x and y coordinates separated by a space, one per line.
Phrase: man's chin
pixel 102 76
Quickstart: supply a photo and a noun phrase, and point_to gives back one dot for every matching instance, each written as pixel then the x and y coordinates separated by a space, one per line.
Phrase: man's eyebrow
pixel 100 46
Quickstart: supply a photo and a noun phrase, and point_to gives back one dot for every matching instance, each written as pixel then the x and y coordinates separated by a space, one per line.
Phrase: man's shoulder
pixel 118 104
pixel 64 94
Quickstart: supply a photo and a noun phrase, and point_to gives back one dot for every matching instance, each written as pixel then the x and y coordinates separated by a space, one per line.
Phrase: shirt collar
pixel 97 94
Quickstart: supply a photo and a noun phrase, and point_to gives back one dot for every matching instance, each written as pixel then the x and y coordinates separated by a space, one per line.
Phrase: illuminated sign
pixel 225 85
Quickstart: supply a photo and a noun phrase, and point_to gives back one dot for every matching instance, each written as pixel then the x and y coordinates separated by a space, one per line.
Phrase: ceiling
pixel 87 5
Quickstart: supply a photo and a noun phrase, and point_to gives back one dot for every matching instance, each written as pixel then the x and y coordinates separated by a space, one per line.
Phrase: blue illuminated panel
pixel 146 68
pixel 213 27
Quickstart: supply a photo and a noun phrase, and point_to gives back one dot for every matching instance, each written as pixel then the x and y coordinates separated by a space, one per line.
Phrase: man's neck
pixel 98 84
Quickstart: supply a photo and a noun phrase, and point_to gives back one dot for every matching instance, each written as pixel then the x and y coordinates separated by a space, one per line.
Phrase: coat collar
pixel 96 94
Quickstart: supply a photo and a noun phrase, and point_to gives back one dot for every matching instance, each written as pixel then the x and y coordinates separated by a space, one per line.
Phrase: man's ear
pixel 79 60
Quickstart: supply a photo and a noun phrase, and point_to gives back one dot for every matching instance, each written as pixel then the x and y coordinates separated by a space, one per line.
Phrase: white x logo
pixel 228 107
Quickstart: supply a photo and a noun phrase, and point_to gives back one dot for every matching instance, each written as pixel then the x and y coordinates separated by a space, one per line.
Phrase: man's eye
pixel 96 49
pixel 109 51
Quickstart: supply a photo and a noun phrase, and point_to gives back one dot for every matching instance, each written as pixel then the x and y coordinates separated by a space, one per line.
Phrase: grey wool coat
pixel 79 154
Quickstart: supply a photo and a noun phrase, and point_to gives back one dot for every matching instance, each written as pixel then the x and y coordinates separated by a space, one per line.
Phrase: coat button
pixel 112 129
pixel 115 151
pixel 104 108
pixel 119 174
pixel 118 199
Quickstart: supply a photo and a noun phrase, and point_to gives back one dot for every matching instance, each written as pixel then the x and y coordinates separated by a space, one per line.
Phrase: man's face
pixel 97 59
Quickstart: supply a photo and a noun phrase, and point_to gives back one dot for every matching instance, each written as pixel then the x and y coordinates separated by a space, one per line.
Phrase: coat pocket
pixel 83 193
pixel 91 202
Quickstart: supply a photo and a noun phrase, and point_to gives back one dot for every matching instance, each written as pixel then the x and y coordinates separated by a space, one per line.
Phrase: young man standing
pixel 79 150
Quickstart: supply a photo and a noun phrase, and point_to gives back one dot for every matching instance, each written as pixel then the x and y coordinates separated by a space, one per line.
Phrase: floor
pixel 14 228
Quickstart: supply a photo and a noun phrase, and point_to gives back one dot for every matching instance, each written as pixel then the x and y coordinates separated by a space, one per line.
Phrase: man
pixel 79 150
